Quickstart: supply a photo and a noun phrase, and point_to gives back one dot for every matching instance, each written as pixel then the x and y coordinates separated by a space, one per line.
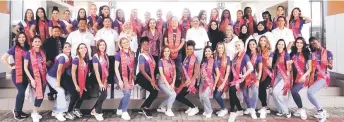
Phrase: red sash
pixel 238 25
pixel 236 70
pixel 55 22
pixel 224 24
pixel 295 27
pixel 320 68
pixel 43 30
pixel 266 71
pixel 18 56
pixel 174 43
pixel 152 65
pixel 169 70
pixel 39 71
pixel 104 67
pixel 282 70
pixel 94 19
pixel 189 74
pixel 223 69
pixel 27 32
pixel 159 24
pixel 299 64
pixel 82 74
pixel 207 75
pixel 185 27
pixel 252 77
pixel 127 62
pixel 250 25
pixel 137 26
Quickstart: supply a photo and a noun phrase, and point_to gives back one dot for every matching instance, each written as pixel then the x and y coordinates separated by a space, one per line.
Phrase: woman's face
pixel 152 24
pixel 29 14
pixel 220 48
pixel 66 48
pixel 134 14
pixel 204 15
pixel 66 14
pixel 120 14
pixel 106 11
pixel 280 45
pixel 208 53
pixel 280 11
pixel 21 39
pixel 244 30
pixel 213 25
pixel 252 45
pixel 125 44
pixel 145 46
pixel 159 14
pixel 167 52
pixel 147 16
pixel 262 42
pixel 226 14
pixel 189 50
pixel 186 13
pixel 93 9
pixel 40 13
pixel 214 13
pixel 102 46
pixel 281 22
pixel 299 44
pixel 55 14
pixel 296 13
pixel 195 22
pixel 249 11
pixel 83 50
pixel 238 46
pixel 239 14
pixel 36 43
pixel 82 13
pixel 260 27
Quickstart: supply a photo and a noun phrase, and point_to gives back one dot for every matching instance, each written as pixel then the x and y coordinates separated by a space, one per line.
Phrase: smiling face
pixel 82 50
pixel 208 53
pixel 229 30
pixel 186 13
pixel 220 48
pixel 147 16
pixel 281 22
pixel 106 11
pixel 56 32
pixel 244 29
pixel 239 14
pixel 226 14
pixel 145 46
pixel 107 23
pixel 239 46
pixel 280 45
pixel 29 14
pixel 66 48
pixel 55 14
pixel 66 15
pixel 93 9
pixel 296 13
pixel 195 22
pixel 125 44
pixel 21 39
pixel 299 44
pixel 82 13
pixel 213 25
pixel 214 13
pixel 252 45
pixel 167 52
pixel 134 14
pixel 40 13
pixel 260 27
pixel 102 46
pixel 36 43
pixel 280 11
pixel 189 50
pixel 152 24
pixel 159 14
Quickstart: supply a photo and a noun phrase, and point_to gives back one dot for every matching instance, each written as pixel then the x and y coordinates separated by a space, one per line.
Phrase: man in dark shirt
pixel 53 46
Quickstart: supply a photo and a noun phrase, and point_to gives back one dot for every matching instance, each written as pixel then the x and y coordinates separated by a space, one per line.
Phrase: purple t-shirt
pixel 244 61
pixel 302 22
pixel 329 56
pixel 215 65
pixel 218 61
pixel 90 21
pixel 96 61
pixel 53 70
pixel 63 26
pixel 21 26
pixel 116 24
pixel 11 52
pixel 75 25
pixel 142 60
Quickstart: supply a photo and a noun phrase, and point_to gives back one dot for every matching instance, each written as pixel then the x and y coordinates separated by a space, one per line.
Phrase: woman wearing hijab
pixel 214 34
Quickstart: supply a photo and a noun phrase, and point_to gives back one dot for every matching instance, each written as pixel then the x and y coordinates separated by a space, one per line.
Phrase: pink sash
pixel 252 78
pixel 82 74
pixel 127 62
pixel 236 70
pixel 300 65
pixel 295 27
pixel 189 74
pixel 223 69
pixel 321 68
pixel 39 71
pixel 169 70
pixel 282 70
pixel 207 75
pixel 174 43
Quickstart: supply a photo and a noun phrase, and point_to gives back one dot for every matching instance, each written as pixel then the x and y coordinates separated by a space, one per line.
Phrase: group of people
pixel 176 56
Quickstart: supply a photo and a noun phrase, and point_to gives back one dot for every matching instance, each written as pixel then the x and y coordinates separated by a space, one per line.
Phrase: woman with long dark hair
pixel 35 70
pixel 267 21
pixel 281 82
pixel 226 20
pixel 239 22
pixel 252 80
pixel 202 16
pixel 119 21
pixel 245 35
pixel 26 25
pixel 301 58
pixel 214 34
pixel 41 25
pixel 104 11
pixel 17 72
pixel 239 61
pixel 74 26
pixel 251 21
pixel 55 21
pixel 296 22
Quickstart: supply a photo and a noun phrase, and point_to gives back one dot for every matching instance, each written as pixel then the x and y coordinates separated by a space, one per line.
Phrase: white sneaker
pixel 169 112
pixel 322 116
pixel 193 111
pixel 70 116
pixel 253 113
pixel 279 114
pixel 303 114
pixel 266 110
pixel 288 115
pixel 161 110
pixel 125 116
pixel 208 115
pixel 240 113
pixel 53 113
pixel 223 112
pixel 188 111
pixel 232 117
pixel 35 117
pixel 262 113
pixel 119 112
pixel 77 113
pixel 297 113
pixel 217 112
pixel 247 111
pixel 204 113
pixel 99 117
pixel 60 117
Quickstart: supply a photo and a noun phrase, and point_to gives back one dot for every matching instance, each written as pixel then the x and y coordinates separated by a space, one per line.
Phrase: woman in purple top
pixel 104 11
pixel 119 21
pixel 101 68
pixel 93 17
pixel 252 80
pixel 74 26
pixel 240 61
pixel 66 21
pixel 40 27
pixel 18 76
pixel 54 78
pixel 296 22
pixel 146 76
pixel 35 70
pixel 26 25
pixel 55 21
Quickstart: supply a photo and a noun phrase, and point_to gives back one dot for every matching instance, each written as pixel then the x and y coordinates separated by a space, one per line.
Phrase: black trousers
pixel 263 85
pixel 153 93
pixel 181 97
pixel 233 99
pixel 75 99
pixel 100 101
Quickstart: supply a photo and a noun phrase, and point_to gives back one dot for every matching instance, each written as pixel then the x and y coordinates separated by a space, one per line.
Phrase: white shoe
pixel 193 111
pixel 223 112
pixel 232 117
pixel 262 113
pixel 60 117
pixel 77 113
pixel 266 110
pixel 169 112
pixel 204 113
pixel 119 112
pixel 188 111
pixel 99 117
pixel 303 114
pixel 70 116
pixel 125 116
pixel 217 112
pixel 247 111
pixel 208 115
pixel 279 114
pixel 288 115
pixel 297 113
pixel 53 113
pixel 35 117
pixel 161 110
pixel 322 116
pixel 240 113
pixel 253 113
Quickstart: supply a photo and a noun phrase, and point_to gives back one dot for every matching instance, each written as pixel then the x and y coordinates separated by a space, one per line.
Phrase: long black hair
pixel 78 18
pixel 276 54
pixel 26 43
pixel 201 14
pixel 38 18
pixel 292 16
pixel 269 15
pixel 101 14
pixel 248 50
pixel 25 16
pixel 223 15
pixel 246 12
pixel 205 58
pixel 305 51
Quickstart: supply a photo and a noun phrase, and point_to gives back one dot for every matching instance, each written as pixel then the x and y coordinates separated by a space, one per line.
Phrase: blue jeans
pixel 21 87
pixel 123 105
pixel 313 89
pixel 251 102
pixel 218 98
pixel 295 93
pixel 170 93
